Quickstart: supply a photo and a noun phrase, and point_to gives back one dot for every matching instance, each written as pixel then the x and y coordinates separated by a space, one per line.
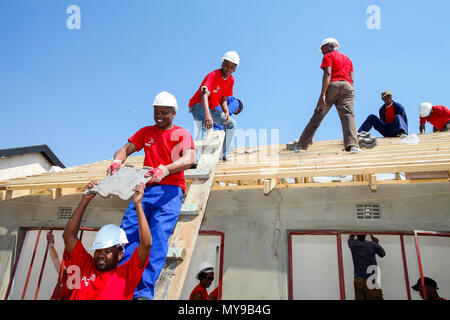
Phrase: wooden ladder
pixel 181 244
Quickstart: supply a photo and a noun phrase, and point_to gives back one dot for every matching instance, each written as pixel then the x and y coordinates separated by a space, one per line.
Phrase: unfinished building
pixel 275 225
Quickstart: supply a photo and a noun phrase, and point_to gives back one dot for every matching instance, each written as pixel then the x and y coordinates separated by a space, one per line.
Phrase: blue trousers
pixel 162 205
pixel 219 118
pixel 385 129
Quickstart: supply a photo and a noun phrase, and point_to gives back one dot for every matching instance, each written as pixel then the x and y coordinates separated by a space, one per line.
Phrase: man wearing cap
pixel 438 116
pixel 100 277
pixel 337 89
pixel 169 150
pixel 430 289
pixel 206 276
pixel 213 92
pixel 235 106
pixel 392 121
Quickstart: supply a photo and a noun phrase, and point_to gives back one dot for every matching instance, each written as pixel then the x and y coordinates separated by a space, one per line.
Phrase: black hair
pixel 361 237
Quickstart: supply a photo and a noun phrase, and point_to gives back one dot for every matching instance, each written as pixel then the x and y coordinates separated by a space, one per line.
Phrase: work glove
pixel 114 167
pixel 157 174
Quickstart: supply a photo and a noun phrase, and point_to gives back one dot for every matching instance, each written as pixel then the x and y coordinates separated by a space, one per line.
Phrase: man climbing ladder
pixel 169 150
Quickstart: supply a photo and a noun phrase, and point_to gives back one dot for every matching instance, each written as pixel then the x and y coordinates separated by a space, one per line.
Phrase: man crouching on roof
pixel 100 277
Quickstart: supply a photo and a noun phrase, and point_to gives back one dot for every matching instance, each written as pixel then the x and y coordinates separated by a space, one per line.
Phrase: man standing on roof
pixel 100 277
pixel 169 150
pixel 337 89
pixel 438 116
pixel 213 92
pixel 363 255
pixel 392 121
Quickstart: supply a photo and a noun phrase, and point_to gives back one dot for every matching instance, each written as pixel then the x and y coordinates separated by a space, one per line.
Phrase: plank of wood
pixel 269 185
pixel 185 234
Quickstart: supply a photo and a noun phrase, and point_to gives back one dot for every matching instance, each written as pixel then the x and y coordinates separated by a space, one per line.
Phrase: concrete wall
pixel 255 225
pixel 23 165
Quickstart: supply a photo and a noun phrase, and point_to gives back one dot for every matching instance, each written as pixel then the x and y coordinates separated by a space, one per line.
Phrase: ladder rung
pixel 197 174
pixel 190 209
pixel 175 253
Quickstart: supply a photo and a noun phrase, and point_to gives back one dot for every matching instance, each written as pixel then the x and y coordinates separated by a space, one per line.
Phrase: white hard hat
pixel 329 41
pixel 109 236
pixel 205 267
pixel 231 56
pixel 165 99
pixel 425 109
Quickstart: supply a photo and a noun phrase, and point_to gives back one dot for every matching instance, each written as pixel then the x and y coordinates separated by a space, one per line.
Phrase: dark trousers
pixel 385 129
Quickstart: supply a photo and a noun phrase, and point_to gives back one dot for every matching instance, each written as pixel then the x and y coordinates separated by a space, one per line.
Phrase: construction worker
pixel 169 150
pixel 438 116
pixel 430 289
pixel 235 106
pixel 363 255
pixel 213 92
pixel 100 277
pixel 206 276
pixel 337 89
pixel 392 121
pixel 61 291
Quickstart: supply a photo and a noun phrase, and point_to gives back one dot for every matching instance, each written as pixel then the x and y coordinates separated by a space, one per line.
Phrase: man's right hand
pixel 114 167
pixel 208 121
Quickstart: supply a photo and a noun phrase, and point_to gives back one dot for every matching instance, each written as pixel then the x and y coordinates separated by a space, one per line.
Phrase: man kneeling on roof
pixel 100 277
pixel 392 121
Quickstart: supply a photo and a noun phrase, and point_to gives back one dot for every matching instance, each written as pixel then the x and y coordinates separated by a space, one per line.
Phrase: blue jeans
pixel 162 205
pixel 218 117
pixel 385 129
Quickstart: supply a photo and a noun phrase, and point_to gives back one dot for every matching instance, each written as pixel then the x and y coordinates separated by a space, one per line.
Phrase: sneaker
pixel 297 149
pixel 403 135
pixel 355 150
pixel 291 145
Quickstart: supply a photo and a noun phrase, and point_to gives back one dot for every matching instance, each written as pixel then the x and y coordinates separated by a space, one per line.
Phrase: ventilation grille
pixel 368 211
pixel 64 213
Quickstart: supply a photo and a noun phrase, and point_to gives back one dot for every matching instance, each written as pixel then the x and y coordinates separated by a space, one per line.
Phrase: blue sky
pixel 83 92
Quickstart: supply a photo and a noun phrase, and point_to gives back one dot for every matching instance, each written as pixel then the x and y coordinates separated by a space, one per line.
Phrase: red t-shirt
pixel 164 147
pixel 117 284
pixel 202 290
pixel 439 118
pixel 217 86
pixel 390 114
pixel 340 64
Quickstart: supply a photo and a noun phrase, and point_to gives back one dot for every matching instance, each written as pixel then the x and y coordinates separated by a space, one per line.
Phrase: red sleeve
pixel 183 141
pixel 326 61
pixel 138 139
pixel 79 257
pixel 423 120
pixel 215 293
pixel 207 82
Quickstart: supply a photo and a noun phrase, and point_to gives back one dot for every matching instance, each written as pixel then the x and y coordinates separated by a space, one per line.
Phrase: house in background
pixel 27 161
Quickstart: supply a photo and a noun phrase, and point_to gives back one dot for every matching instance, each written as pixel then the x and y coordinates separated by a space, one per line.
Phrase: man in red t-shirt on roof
pixel 438 116
pixel 169 150
pixel 213 92
pixel 337 89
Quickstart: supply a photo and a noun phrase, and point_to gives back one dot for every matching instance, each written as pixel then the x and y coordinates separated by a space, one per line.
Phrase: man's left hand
pixel 157 174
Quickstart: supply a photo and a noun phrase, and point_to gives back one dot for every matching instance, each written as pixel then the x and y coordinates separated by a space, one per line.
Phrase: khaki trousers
pixel 341 94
